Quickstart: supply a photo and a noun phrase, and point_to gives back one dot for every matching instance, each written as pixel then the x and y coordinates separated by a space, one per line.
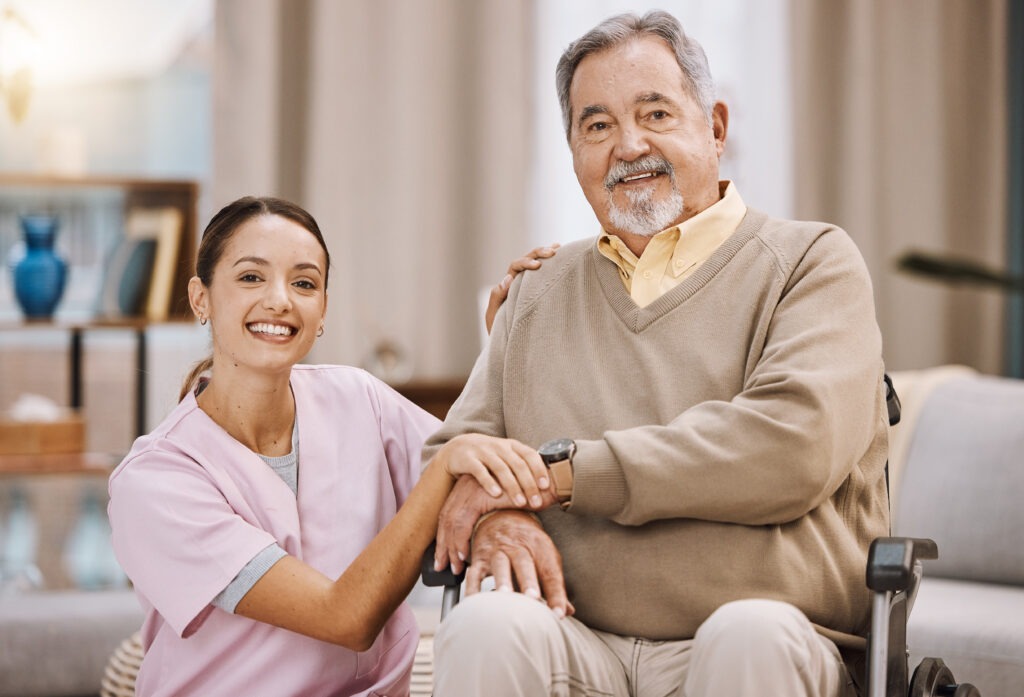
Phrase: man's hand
pixel 513 547
pixel 463 507
pixel 530 260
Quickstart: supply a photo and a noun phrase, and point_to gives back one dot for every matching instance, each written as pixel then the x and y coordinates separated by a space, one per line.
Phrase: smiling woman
pixel 266 298
pixel 235 550
pixel 238 256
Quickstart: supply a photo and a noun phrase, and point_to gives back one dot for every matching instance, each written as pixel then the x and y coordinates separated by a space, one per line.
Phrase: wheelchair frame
pixel 894 572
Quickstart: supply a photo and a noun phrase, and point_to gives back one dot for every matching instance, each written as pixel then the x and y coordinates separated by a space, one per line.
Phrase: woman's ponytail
pixel 193 377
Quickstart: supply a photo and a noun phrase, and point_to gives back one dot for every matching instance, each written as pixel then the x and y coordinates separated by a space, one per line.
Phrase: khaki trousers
pixel 503 644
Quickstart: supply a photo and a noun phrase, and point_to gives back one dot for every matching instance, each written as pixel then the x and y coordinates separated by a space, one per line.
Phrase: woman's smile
pixel 271 330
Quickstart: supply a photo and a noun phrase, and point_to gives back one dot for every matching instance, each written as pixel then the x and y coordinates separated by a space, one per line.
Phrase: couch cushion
pixel 976 628
pixel 58 642
pixel 914 387
pixel 963 479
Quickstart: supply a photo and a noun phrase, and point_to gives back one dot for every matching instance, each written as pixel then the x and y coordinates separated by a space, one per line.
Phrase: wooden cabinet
pixel 434 396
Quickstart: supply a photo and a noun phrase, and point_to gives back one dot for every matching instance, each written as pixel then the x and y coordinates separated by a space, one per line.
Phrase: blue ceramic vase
pixel 40 275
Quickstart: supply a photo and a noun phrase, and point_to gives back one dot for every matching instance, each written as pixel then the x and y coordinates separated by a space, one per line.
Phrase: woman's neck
pixel 257 411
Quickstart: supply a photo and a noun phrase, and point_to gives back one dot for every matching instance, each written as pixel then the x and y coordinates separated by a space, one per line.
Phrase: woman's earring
pixel 202 320
pixel 320 332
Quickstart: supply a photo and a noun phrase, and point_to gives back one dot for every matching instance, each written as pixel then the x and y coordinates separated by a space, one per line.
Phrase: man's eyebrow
pixel 589 111
pixel 645 98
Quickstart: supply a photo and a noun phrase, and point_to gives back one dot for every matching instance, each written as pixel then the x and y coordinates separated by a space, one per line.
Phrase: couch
pixel 57 643
pixel 957 476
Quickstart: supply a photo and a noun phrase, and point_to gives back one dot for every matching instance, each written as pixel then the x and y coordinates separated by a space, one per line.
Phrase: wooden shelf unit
pixel 182 194
pixel 138 326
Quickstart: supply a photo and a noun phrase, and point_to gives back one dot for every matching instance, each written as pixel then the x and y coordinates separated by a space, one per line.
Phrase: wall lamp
pixel 17 48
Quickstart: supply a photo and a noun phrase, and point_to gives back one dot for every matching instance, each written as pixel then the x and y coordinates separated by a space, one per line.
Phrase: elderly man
pixel 703 382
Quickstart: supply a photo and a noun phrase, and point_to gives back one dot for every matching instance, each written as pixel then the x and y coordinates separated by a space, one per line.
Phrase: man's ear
pixel 720 125
pixel 197 298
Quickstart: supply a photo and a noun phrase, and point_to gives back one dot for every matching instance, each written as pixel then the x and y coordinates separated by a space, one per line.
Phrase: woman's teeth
pixel 264 328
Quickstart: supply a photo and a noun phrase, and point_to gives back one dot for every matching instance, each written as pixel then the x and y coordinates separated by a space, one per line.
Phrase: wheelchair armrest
pixel 892 401
pixel 891 561
pixel 433 578
pixel 452 582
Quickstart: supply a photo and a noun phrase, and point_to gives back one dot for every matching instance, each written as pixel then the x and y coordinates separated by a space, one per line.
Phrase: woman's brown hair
pixel 219 232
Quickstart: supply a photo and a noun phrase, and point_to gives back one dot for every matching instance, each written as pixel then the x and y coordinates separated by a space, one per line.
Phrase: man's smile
pixel 640 171
pixel 639 177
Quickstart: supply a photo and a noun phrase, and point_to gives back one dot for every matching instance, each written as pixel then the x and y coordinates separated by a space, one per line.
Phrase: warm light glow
pixel 100 40
pixel 19 51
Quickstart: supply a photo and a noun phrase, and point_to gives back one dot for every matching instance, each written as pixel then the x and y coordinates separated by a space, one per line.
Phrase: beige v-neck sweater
pixel 732 434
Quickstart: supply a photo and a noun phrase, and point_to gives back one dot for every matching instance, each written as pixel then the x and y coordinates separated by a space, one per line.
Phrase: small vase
pixel 40 275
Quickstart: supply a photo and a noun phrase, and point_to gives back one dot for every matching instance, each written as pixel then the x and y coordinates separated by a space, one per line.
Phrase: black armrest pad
pixel 891 561
pixel 438 578
pixel 892 401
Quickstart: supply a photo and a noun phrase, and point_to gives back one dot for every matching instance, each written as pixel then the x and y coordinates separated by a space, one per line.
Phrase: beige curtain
pixel 403 126
pixel 900 138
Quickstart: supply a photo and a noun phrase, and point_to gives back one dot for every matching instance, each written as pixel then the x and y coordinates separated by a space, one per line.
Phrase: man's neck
pixel 635 243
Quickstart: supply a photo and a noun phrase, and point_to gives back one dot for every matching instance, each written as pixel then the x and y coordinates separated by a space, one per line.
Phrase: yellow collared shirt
pixel 675 253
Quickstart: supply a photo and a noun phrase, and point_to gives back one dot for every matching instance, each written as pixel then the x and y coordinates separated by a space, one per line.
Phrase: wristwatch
pixel 557 457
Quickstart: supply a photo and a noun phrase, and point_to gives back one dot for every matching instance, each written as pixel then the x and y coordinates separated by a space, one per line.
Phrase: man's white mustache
pixel 651 163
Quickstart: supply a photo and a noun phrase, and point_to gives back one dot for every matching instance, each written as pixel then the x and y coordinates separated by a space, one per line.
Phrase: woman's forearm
pixel 352 610
pixel 380 578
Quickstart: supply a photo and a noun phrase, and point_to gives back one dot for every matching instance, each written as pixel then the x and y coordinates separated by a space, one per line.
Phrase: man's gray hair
pixel 625 27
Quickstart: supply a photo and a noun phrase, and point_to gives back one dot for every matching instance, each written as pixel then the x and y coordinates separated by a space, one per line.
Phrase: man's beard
pixel 644 216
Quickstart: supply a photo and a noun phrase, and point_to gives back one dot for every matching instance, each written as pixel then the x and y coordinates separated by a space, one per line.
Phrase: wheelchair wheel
pixel 933 678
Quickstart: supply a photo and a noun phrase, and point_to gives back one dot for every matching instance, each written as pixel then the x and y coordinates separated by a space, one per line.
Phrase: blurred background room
pixel 425 137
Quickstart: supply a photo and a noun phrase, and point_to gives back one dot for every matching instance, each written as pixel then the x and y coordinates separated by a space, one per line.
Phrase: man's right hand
pixel 512 547
pixel 464 506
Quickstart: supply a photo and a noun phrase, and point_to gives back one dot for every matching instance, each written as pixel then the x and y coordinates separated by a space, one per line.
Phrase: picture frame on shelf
pixel 126 280
pixel 139 280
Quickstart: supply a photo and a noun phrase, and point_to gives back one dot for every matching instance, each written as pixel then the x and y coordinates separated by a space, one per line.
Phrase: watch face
pixel 556 450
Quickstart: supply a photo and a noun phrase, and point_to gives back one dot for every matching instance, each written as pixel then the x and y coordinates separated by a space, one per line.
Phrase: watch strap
pixel 561 477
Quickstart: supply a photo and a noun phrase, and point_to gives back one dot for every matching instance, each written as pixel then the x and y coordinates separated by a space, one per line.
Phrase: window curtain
pixel 404 128
pixel 900 123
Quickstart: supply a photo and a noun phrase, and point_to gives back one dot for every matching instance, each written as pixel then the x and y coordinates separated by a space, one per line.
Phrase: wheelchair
pixel 894 571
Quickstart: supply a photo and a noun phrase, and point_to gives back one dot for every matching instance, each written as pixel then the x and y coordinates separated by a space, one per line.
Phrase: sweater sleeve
pixel 809 411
